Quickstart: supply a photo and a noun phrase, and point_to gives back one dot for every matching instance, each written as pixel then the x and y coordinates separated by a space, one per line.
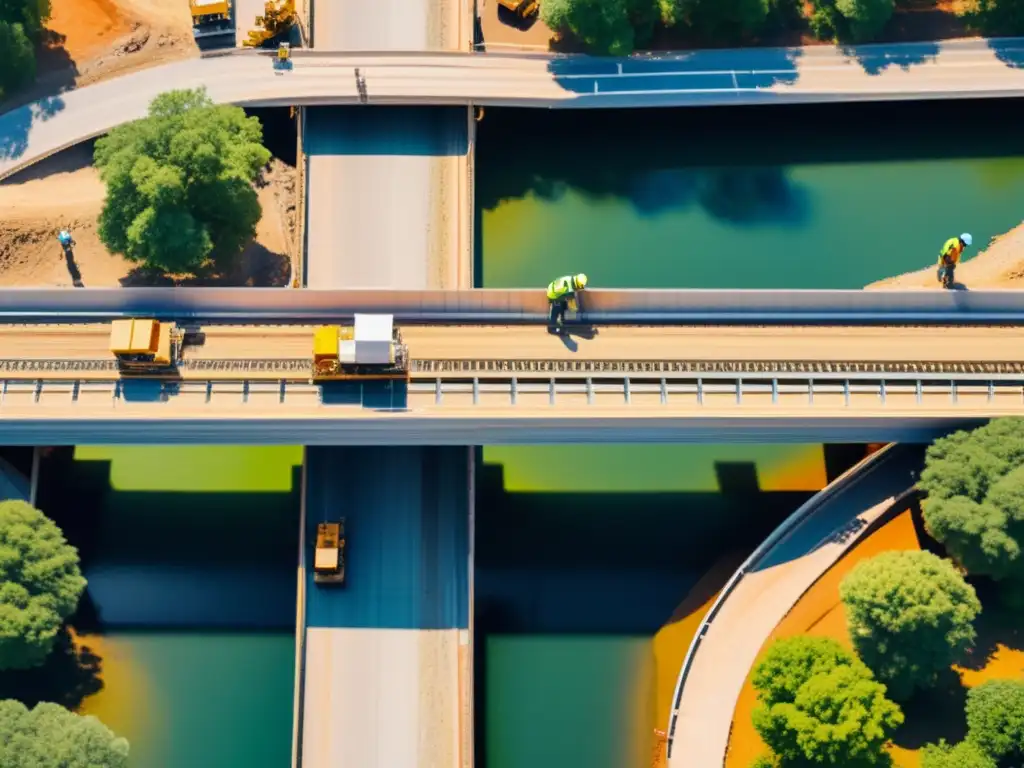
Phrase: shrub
pixel 40 584
pixel 909 616
pixel 966 754
pixel 855 21
pixel 49 736
pixel 995 719
pixel 818 704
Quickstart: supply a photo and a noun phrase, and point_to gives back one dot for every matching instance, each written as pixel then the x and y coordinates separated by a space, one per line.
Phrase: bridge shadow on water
pixel 171 560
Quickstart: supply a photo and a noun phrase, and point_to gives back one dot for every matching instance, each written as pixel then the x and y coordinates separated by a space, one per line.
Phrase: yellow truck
pixel 211 18
pixel 329 556
pixel 370 348
pixel 522 9
pixel 145 345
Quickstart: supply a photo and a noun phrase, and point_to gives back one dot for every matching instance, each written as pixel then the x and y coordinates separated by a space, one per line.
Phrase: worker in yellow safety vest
pixel 949 257
pixel 560 291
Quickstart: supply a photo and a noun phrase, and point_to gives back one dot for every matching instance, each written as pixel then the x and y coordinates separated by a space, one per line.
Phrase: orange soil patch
pixel 673 640
pixel 84 27
pixel 819 612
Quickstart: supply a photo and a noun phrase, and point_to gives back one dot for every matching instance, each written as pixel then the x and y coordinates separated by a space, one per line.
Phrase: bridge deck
pixel 432 345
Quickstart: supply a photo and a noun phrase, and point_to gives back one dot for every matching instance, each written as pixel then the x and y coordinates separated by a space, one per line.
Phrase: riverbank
pixel 65 191
pixel 1000 265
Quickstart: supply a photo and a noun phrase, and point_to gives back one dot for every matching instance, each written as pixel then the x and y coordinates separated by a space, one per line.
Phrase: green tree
pixel 21 25
pixel 996 17
pixel 910 617
pixel 820 705
pixel 995 719
pixel 856 21
pixel 975 504
pixel 613 27
pixel 179 182
pixel 718 20
pixel 40 584
pixel 49 736
pixel 966 754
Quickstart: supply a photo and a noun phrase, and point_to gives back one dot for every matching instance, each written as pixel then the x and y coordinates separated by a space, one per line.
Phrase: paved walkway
pixel 766 594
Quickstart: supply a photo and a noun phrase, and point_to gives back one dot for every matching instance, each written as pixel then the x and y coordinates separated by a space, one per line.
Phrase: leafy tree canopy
pixel 179 182
pixel 966 754
pixel 997 17
pixel 40 584
pixel 49 736
pixel 975 505
pixel 21 22
pixel 603 26
pixel 820 705
pixel 855 21
pixel 995 719
pixel 909 616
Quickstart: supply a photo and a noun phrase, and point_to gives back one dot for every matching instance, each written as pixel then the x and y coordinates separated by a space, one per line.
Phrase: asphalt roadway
pixel 386 654
pixel 954 69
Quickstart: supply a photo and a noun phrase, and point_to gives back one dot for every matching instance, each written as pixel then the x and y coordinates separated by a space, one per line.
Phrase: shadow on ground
pixel 71 673
pixel 876 59
pixel 705 76
pixel 1010 51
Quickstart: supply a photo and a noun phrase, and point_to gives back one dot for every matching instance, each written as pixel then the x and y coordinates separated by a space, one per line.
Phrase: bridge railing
pixel 788 526
pixel 519 305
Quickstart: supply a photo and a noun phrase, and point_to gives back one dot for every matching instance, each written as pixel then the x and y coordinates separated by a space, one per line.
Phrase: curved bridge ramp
pixel 764 590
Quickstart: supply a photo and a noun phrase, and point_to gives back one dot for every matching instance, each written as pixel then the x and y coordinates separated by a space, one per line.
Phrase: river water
pixel 190 556
pixel 586 552
pixel 832 196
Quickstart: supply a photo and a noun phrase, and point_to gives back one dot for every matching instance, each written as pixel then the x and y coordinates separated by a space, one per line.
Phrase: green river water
pixel 780 197
pixel 830 196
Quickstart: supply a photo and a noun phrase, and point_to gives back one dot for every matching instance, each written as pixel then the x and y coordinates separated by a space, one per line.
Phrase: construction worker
pixel 560 291
pixel 66 241
pixel 949 257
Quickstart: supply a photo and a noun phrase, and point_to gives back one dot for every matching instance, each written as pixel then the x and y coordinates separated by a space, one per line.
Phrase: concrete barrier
pixel 520 305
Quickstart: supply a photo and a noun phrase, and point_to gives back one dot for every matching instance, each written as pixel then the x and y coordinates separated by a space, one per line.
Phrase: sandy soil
pixel 1000 265
pixel 820 612
pixel 65 191
pixel 92 40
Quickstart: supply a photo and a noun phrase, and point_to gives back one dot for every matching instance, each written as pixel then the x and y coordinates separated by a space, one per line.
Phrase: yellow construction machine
pixel 329 557
pixel 370 348
pixel 211 18
pixel 146 345
pixel 522 9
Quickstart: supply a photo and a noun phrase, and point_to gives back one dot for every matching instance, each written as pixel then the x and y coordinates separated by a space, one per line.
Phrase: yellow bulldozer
pixel 146 345
pixel 370 348
pixel 521 9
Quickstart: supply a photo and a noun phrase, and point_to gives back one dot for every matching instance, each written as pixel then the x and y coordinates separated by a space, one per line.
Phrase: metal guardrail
pixel 477 391
pixel 788 526
pixel 519 305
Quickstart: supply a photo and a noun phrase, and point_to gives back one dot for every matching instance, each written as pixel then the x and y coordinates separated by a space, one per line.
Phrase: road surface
pixel 765 595
pixel 388 198
pixel 955 69
pixel 386 654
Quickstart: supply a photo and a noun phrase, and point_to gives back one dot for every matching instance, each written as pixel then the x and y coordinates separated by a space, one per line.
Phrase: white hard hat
pixel 966 237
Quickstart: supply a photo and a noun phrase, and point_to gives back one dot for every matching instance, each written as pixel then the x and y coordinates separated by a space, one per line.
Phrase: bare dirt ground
pixel 66 191
pixel 92 40
pixel 1000 265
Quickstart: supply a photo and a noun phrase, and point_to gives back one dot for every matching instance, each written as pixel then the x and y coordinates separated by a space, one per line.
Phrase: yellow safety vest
pixel 560 288
pixel 951 251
